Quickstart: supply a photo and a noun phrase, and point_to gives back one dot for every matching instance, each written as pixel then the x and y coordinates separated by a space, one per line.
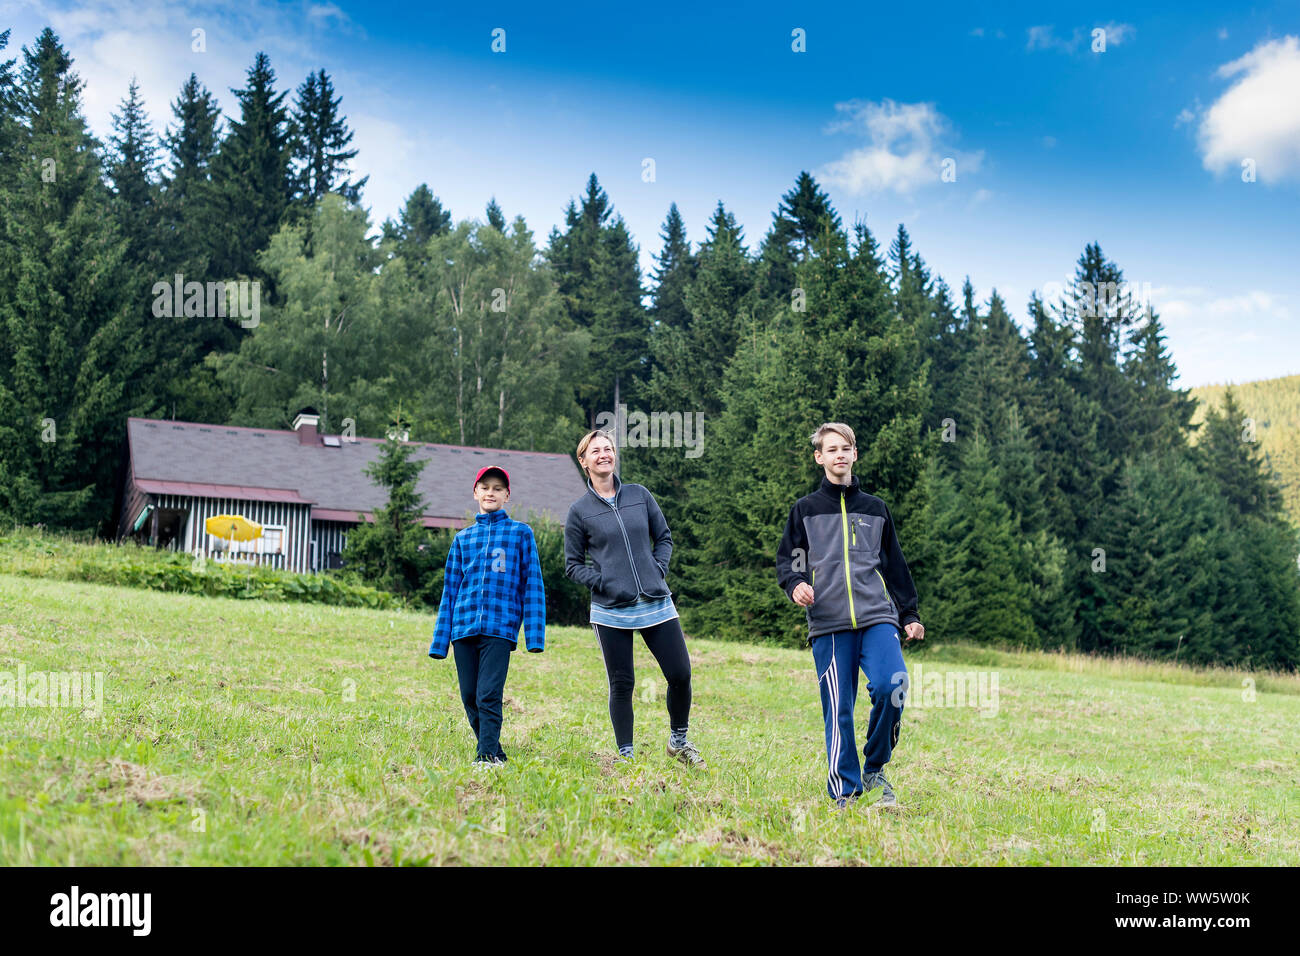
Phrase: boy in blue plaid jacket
pixel 492 583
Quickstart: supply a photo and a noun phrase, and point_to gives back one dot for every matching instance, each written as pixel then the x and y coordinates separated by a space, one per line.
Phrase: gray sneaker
pixel 687 754
pixel 872 780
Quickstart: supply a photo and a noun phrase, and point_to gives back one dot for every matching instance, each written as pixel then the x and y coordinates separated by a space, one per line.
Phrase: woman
pixel 625 533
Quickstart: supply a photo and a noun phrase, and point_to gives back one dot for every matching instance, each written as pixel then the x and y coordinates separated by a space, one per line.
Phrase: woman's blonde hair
pixel 587 439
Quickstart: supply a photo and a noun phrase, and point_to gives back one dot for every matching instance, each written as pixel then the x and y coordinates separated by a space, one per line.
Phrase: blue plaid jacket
pixel 492 583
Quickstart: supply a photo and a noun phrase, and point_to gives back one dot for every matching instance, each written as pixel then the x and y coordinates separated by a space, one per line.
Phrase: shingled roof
pixel 266 464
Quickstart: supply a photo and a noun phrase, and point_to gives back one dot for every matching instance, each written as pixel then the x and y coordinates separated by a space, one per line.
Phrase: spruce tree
pixel 495 217
pixel 422 217
pixel 948 347
pixel 599 280
pixel 688 359
pixel 9 131
pixel 996 377
pixel 192 145
pixel 1162 413
pixel 252 181
pixel 1232 456
pixel 802 217
pixel 1101 308
pixel 386 551
pixel 989 598
pixel 320 145
pixel 188 242
pixel 133 173
pixel 675 268
pixel 72 342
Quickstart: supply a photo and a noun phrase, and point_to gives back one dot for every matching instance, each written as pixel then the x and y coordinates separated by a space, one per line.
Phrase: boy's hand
pixel 915 632
pixel 802 595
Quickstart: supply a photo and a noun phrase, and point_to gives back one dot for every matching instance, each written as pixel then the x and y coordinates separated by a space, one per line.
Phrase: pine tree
pixel 386 550
pixel 930 547
pixel 910 279
pixel 947 343
pixel 1102 309
pixel 844 358
pixel 70 342
pixel 675 268
pixel 1232 456
pixel 989 601
pixel 252 182
pixel 1162 414
pixel 193 141
pixel 188 242
pixel 9 131
pixel 320 145
pixel 192 145
pixel 995 378
pixel 133 172
pixel 802 217
pixel 421 218
pixel 688 359
pixel 495 217
pixel 599 280
pixel 1157 578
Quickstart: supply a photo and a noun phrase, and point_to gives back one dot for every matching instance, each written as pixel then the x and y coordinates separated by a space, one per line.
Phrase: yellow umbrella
pixel 233 528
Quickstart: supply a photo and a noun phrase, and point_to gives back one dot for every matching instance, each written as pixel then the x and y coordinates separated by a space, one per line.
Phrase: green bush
pixel 33 553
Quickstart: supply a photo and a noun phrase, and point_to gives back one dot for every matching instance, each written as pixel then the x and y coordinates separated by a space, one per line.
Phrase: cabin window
pixel 272 539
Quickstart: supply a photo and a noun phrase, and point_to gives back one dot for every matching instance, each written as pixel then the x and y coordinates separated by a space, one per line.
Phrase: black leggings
pixel 668 645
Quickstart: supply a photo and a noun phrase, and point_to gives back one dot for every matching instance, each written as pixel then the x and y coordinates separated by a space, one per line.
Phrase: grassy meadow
pixel 254 732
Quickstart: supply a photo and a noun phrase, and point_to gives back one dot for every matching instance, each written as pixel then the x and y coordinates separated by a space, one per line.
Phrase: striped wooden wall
pixel 330 536
pixel 294 518
pixel 133 499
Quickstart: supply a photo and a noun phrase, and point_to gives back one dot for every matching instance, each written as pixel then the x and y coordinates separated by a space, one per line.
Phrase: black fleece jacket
pixel 840 541
pixel 629 544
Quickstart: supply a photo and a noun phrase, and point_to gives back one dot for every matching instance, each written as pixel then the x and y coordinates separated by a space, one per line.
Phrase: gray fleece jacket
pixel 628 542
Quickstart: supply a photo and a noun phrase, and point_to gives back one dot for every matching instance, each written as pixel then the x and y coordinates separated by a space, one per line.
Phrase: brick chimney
pixel 305 425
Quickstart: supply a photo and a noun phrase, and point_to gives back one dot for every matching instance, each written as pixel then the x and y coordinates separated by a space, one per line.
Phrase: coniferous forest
pixel 1049 487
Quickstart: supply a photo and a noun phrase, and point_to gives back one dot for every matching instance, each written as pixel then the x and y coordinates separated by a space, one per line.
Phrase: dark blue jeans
pixel 481 665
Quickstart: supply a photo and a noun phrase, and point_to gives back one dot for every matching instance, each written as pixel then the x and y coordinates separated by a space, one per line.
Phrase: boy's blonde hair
pixel 838 427
pixel 587 439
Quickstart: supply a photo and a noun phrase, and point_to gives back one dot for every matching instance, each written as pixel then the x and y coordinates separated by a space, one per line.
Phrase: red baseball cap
pixel 497 468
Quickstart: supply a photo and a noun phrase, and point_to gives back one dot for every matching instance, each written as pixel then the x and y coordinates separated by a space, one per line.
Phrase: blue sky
pixel 1138 146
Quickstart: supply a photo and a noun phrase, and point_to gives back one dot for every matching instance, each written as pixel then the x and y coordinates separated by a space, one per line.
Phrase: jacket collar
pixel 491 517
pixel 618 484
pixel 830 488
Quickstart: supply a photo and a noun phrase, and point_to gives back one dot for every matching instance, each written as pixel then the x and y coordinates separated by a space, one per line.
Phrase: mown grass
pixel 248 732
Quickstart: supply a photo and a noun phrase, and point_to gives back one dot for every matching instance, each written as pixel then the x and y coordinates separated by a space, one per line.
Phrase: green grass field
pixel 249 732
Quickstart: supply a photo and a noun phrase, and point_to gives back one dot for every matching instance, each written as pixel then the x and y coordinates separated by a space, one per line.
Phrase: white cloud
pixel 1245 335
pixel 111 42
pixel 321 12
pixel 1184 116
pixel 909 143
pixel 1223 33
pixel 1251 306
pixel 1117 33
pixel 1258 117
pixel 1044 37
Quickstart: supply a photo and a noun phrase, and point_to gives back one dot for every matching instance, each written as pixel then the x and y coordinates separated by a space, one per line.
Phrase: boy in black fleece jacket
pixel 840 559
